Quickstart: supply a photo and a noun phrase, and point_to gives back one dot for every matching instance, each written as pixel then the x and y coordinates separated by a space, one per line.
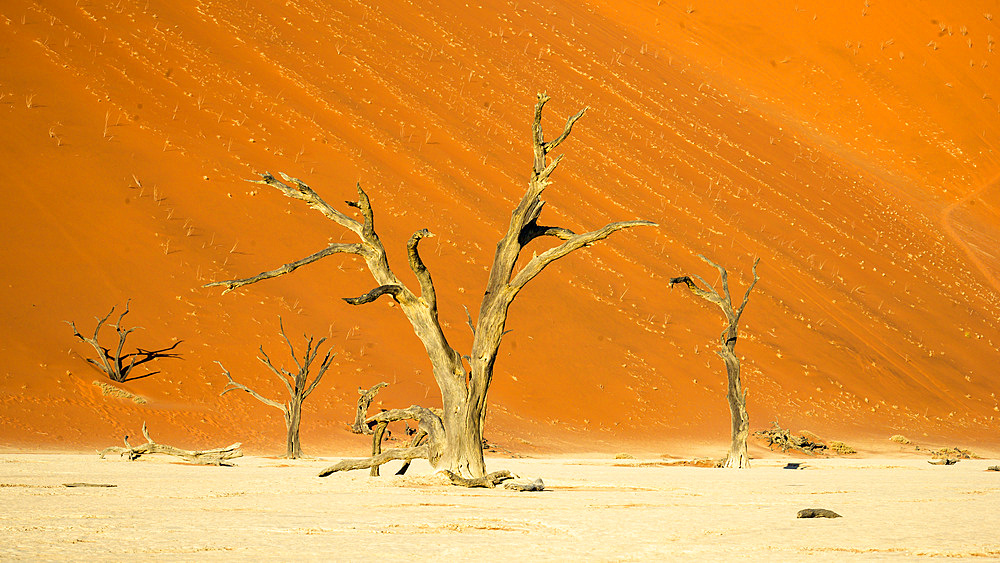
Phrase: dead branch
pixel 816 513
pixel 217 456
pixel 290 267
pixel 428 423
pixel 417 437
pixel 526 486
pixel 364 401
pixel 407 454
pixel 487 481
pixel 777 436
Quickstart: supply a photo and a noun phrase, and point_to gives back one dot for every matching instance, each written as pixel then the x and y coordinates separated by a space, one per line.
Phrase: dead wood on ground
pixel 217 456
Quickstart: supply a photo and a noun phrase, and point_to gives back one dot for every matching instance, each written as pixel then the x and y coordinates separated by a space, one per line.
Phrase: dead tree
pixel 364 401
pixel 297 385
pixel 459 445
pixel 115 365
pixel 737 457
pixel 217 456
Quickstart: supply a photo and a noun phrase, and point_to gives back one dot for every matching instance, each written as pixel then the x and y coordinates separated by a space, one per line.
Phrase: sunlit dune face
pixel 852 149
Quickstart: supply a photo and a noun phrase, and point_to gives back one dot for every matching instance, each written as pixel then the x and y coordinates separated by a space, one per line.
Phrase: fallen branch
pixel 218 456
pixel 944 461
pixel 487 481
pixel 530 486
pixel 407 454
pixel 88 485
pixel 428 424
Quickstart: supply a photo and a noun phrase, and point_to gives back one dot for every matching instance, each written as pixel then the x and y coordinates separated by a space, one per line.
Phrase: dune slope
pixel 852 149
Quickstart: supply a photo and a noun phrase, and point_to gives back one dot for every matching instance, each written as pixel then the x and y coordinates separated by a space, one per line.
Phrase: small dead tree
pixel 737 457
pixel 364 401
pixel 458 445
pixel 115 365
pixel 297 385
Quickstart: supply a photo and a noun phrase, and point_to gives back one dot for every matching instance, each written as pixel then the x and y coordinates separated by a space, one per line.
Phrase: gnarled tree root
pixel 218 456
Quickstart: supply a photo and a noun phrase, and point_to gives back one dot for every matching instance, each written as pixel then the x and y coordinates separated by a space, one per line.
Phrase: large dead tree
pixel 737 457
pixel 458 445
pixel 116 365
pixel 297 384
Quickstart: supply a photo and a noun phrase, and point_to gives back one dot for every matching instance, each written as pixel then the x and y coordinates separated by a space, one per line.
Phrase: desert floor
pixel 596 509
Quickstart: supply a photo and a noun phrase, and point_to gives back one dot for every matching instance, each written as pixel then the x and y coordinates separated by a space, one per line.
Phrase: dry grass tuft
pixel 954 453
pixel 842 448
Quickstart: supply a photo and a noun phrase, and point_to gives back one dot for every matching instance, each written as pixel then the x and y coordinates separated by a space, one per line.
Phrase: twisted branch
pixel 427 292
pixel 337 248
pixel 575 242
pixel 396 291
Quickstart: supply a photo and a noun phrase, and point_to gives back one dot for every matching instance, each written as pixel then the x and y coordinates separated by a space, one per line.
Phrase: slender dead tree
pixel 297 384
pixel 456 437
pixel 737 457
pixel 115 365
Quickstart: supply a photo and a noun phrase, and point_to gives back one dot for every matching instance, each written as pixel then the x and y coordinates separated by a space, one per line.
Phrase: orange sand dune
pixel 852 147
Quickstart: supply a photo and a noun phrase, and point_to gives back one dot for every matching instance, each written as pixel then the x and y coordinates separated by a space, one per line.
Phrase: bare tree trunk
pixel 737 457
pixel 459 446
pixel 293 418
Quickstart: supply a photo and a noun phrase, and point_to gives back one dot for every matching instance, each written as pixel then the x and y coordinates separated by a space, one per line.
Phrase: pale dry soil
pixel 594 510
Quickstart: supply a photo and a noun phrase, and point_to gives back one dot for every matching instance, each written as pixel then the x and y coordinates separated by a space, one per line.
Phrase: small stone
pixel 817 513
